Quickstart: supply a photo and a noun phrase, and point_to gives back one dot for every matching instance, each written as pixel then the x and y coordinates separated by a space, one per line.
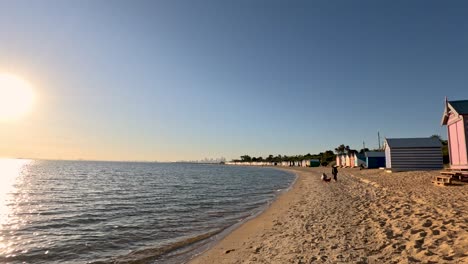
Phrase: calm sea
pixel 106 212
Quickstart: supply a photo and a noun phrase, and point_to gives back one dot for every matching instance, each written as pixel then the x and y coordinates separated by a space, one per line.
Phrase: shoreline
pixel 261 220
pixel 187 252
pixel 212 241
pixel 365 217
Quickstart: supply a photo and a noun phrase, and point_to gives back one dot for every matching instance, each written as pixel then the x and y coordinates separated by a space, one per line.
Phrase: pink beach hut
pixel 456 119
pixel 338 160
pixel 351 160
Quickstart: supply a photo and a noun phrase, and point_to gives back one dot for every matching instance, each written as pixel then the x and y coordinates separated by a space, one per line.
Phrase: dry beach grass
pixel 367 216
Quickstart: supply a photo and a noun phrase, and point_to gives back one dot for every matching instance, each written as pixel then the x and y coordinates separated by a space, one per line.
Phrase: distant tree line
pixel 342 149
pixel 324 157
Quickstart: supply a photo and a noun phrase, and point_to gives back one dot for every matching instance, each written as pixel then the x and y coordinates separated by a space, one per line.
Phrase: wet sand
pixel 367 216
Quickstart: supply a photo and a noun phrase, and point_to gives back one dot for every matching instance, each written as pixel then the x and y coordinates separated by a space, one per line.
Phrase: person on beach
pixel 335 172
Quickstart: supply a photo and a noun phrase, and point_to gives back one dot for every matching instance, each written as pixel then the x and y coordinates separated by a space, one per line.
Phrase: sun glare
pixel 10 173
pixel 16 97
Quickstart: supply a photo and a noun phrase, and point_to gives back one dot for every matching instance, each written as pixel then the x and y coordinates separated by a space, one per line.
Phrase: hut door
pixel 457 156
pixel 454 150
pixel 462 143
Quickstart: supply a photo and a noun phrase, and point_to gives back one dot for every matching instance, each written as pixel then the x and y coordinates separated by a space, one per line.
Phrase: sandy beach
pixel 368 216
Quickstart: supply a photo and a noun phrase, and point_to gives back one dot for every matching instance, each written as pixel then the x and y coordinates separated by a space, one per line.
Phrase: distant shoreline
pixel 116 161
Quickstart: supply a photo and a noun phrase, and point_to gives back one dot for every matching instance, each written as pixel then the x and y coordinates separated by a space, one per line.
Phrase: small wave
pixel 150 254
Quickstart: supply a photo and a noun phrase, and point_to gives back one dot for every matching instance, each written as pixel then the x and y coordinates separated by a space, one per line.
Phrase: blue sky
pixel 171 80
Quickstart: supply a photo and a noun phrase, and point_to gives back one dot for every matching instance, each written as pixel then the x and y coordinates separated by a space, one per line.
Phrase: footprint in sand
pixel 428 223
pixel 389 233
pixel 449 222
pixel 418 243
pixel 415 231
pixel 382 223
pixel 428 253
pixel 324 258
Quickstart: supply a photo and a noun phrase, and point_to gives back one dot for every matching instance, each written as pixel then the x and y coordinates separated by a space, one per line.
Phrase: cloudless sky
pixel 173 80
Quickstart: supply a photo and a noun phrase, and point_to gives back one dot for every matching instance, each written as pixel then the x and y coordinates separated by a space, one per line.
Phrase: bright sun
pixel 16 97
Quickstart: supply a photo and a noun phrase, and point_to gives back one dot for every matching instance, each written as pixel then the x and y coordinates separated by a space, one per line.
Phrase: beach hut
pixel 343 160
pixel 314 163
pixel 347 160
pixel 351 159
pixel 403 154
pixel 306 163
pixel 338 160
pixel 359 159
pixel 375 159
pixel 456 119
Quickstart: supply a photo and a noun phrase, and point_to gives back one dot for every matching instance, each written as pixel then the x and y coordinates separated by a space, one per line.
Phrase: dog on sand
pixel 325 178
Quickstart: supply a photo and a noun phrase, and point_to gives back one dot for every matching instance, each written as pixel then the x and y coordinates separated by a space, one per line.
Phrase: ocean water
pixel 106 212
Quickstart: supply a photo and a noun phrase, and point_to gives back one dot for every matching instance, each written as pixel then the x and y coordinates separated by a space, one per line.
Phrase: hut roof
pixel 460 107
pixel 375 154
pixel 430 142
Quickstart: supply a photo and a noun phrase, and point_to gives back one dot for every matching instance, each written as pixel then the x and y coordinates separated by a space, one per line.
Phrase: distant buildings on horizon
pixel 205 160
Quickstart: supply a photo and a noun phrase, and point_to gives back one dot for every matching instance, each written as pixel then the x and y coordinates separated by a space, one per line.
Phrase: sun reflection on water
pixel 11 171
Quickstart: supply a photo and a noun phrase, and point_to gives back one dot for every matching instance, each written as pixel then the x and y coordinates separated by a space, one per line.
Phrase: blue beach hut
pixel 359 159
pixel 375 159
pixel 404 154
